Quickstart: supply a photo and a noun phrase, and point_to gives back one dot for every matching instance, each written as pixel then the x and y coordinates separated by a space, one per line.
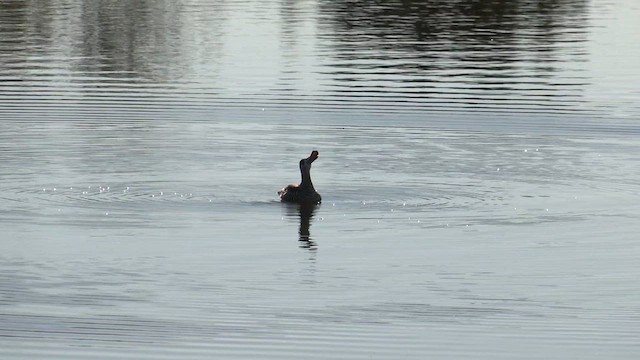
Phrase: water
pixel 478 167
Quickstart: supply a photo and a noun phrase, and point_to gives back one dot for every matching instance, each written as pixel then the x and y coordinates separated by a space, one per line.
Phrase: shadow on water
pixel 305 213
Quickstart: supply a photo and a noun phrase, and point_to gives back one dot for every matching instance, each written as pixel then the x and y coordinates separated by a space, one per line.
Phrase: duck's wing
pixel 289 193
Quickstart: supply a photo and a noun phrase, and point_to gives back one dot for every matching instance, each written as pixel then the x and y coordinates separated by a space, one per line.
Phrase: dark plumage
pixel 305 192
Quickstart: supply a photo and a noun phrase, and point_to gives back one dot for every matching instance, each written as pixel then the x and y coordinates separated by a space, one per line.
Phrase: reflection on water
pixel 523 55
pixel 305 213
pixel 424 62
pixel 130 40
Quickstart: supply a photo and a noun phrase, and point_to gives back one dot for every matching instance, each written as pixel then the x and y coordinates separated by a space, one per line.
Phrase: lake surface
pixel 478 166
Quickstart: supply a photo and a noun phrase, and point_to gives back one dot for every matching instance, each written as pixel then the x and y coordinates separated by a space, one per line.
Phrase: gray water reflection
pixel 462 64
pixel 463 54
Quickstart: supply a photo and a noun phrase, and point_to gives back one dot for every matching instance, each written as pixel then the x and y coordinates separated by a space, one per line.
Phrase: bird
pixel 304 193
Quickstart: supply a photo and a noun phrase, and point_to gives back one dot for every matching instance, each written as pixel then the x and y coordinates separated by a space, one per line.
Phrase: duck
pixel 304 193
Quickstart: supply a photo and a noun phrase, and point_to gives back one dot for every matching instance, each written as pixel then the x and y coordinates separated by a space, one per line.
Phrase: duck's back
pixel 297 194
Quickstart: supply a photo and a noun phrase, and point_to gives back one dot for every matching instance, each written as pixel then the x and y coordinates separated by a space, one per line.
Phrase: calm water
pixel 478 166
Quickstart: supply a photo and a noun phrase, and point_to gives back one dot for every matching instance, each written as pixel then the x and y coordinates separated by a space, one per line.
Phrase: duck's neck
pixel 306 179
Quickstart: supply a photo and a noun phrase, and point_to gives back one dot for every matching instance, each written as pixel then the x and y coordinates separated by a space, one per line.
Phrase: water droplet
pixel 209 200
pixel 161 193
pixel 418 220
pixel 547 209
pixel 404 204
pixel 498 169
pixel 44 189
pixel 106 213
pixel 525 150
pixel 153 195
pixel 54 189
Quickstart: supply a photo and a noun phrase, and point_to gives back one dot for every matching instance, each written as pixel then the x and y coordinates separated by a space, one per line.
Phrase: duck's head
pixel 306 163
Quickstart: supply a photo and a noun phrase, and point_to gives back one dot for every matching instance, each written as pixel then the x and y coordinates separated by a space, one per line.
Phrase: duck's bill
pixel 314 155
